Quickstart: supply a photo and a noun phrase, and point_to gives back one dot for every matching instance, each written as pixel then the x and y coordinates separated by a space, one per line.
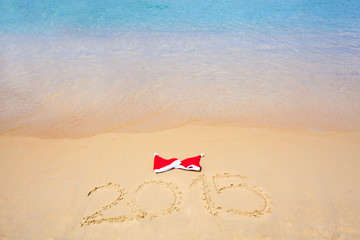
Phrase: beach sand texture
pixel 255 183
pixel 268 90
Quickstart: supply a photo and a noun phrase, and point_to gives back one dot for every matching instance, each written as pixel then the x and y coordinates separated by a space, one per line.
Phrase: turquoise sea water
pixel 26 16
pixel 78 68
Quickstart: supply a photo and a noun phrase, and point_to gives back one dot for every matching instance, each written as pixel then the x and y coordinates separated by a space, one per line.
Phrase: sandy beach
pixel 255 183
pixel 267 90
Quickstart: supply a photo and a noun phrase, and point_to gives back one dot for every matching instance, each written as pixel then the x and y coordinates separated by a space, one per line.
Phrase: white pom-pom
pixel 155 154
pixel 202 155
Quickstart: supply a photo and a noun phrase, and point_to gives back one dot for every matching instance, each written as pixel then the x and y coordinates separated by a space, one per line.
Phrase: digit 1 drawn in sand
pixel 210 205
pixel 174 206
pixel 92 218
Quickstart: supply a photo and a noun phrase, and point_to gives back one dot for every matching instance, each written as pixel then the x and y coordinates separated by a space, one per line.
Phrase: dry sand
pixel 301 184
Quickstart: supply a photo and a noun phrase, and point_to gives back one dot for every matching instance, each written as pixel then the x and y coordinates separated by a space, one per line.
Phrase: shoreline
pixel 237 125
pixel 82 85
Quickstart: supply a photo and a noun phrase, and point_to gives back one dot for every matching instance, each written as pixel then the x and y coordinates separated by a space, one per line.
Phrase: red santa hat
pixel 162 164
pixel 192 164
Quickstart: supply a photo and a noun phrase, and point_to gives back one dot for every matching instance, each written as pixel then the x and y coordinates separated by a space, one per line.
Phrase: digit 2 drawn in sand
pixel 92 218
pixel 214 210
pixel 139 213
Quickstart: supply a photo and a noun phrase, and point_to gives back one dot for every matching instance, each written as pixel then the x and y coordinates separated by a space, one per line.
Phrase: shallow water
pixel 78 69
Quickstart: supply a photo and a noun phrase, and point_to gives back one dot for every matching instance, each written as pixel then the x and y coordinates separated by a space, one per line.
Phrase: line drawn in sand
pixel 138 212
pixel 214 210
pixel 210 205
pixel 92 218
pixel 174 206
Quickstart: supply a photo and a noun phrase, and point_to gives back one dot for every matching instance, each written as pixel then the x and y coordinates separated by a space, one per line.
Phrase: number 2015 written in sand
pixel 201 180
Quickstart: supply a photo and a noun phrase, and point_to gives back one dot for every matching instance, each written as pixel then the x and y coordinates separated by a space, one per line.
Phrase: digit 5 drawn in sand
pixel 92 218
pixel 214 210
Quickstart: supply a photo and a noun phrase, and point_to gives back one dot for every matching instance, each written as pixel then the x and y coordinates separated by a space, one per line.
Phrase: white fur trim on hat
pixel 190 167
pixel 168 167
